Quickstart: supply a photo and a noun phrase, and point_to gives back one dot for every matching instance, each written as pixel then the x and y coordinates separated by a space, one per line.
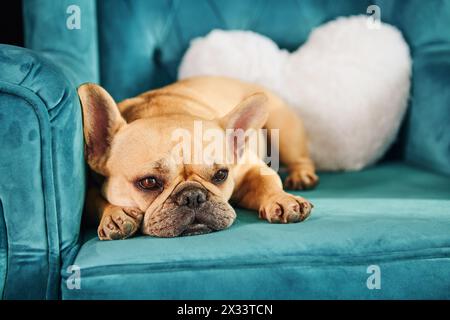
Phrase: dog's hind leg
pixel 292 145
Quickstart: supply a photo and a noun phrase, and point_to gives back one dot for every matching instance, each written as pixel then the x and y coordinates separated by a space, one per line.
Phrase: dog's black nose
pixel 192 198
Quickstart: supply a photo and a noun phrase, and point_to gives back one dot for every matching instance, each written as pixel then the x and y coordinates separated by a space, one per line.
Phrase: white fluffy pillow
pixel 348 82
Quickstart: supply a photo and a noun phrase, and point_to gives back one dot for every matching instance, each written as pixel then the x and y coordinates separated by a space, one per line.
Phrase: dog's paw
pixel 301 179
pixel 119 223
pixel 285 208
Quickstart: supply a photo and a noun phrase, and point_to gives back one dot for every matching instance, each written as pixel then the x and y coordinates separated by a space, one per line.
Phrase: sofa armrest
pixel 42 174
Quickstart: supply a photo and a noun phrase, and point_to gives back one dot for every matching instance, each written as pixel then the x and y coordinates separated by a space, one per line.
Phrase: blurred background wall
pixel 11 31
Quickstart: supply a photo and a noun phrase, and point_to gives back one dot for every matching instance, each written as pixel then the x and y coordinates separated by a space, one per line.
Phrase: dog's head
pixel 140 161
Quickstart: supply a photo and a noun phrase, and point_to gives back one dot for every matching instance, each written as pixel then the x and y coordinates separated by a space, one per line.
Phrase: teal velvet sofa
pixel 382 233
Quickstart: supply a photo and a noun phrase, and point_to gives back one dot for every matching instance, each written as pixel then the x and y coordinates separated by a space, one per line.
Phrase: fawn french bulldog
pixel 146 187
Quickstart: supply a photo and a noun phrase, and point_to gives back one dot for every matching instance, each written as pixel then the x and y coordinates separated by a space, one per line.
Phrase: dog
pixel 144 187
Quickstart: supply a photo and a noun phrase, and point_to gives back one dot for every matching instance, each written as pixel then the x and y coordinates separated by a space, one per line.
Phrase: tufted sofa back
pixel 142 42
pixel 130 46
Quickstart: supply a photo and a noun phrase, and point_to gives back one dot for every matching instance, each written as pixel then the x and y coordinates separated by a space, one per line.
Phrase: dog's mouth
pixel 203 221
pixel 173 220
pixel 189 210
pixel 196 228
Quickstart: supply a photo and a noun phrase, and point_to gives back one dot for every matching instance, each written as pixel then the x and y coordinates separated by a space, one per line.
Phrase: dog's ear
pixel 251 113
pixel 101 121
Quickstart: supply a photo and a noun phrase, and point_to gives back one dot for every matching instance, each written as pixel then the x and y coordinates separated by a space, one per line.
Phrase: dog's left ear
pixel 101 121
pixel 251 113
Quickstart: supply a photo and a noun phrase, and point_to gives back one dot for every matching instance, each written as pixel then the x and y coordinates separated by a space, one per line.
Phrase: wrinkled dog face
pixel 142 170
pixel 177 198
pixel 190 209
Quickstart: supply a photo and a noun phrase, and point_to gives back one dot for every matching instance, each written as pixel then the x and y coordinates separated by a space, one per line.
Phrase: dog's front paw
pixel 119 223
pixel 285 208
pixel 301 179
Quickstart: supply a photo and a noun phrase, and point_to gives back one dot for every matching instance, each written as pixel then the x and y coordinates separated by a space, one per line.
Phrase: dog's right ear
pixel 101 121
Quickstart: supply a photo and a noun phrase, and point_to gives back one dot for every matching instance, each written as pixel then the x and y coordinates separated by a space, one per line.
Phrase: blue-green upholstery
pixel 42 173
pixel 394 215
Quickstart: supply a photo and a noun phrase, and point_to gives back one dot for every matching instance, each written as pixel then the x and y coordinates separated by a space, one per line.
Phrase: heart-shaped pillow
pixel 349 83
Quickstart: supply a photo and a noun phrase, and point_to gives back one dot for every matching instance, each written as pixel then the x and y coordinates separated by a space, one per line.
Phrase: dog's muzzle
pixel 191 196
pixel 190 210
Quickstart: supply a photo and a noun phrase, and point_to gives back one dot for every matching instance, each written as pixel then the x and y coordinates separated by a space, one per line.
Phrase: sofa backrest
pixel 141 44
pixel 131 46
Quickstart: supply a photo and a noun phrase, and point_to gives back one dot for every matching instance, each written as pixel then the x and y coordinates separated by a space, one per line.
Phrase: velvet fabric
pixel 42 173
pixel 394 215
pixel 75 51
pixel 141 43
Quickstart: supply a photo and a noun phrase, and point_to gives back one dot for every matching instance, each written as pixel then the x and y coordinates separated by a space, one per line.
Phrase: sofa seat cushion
pixel 392 216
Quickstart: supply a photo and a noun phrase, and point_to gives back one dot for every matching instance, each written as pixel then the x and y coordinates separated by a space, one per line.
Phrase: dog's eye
pixel 220 176
pixel 149 183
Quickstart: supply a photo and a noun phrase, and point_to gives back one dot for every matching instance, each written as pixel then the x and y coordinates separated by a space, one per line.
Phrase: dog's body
pixel 146 189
